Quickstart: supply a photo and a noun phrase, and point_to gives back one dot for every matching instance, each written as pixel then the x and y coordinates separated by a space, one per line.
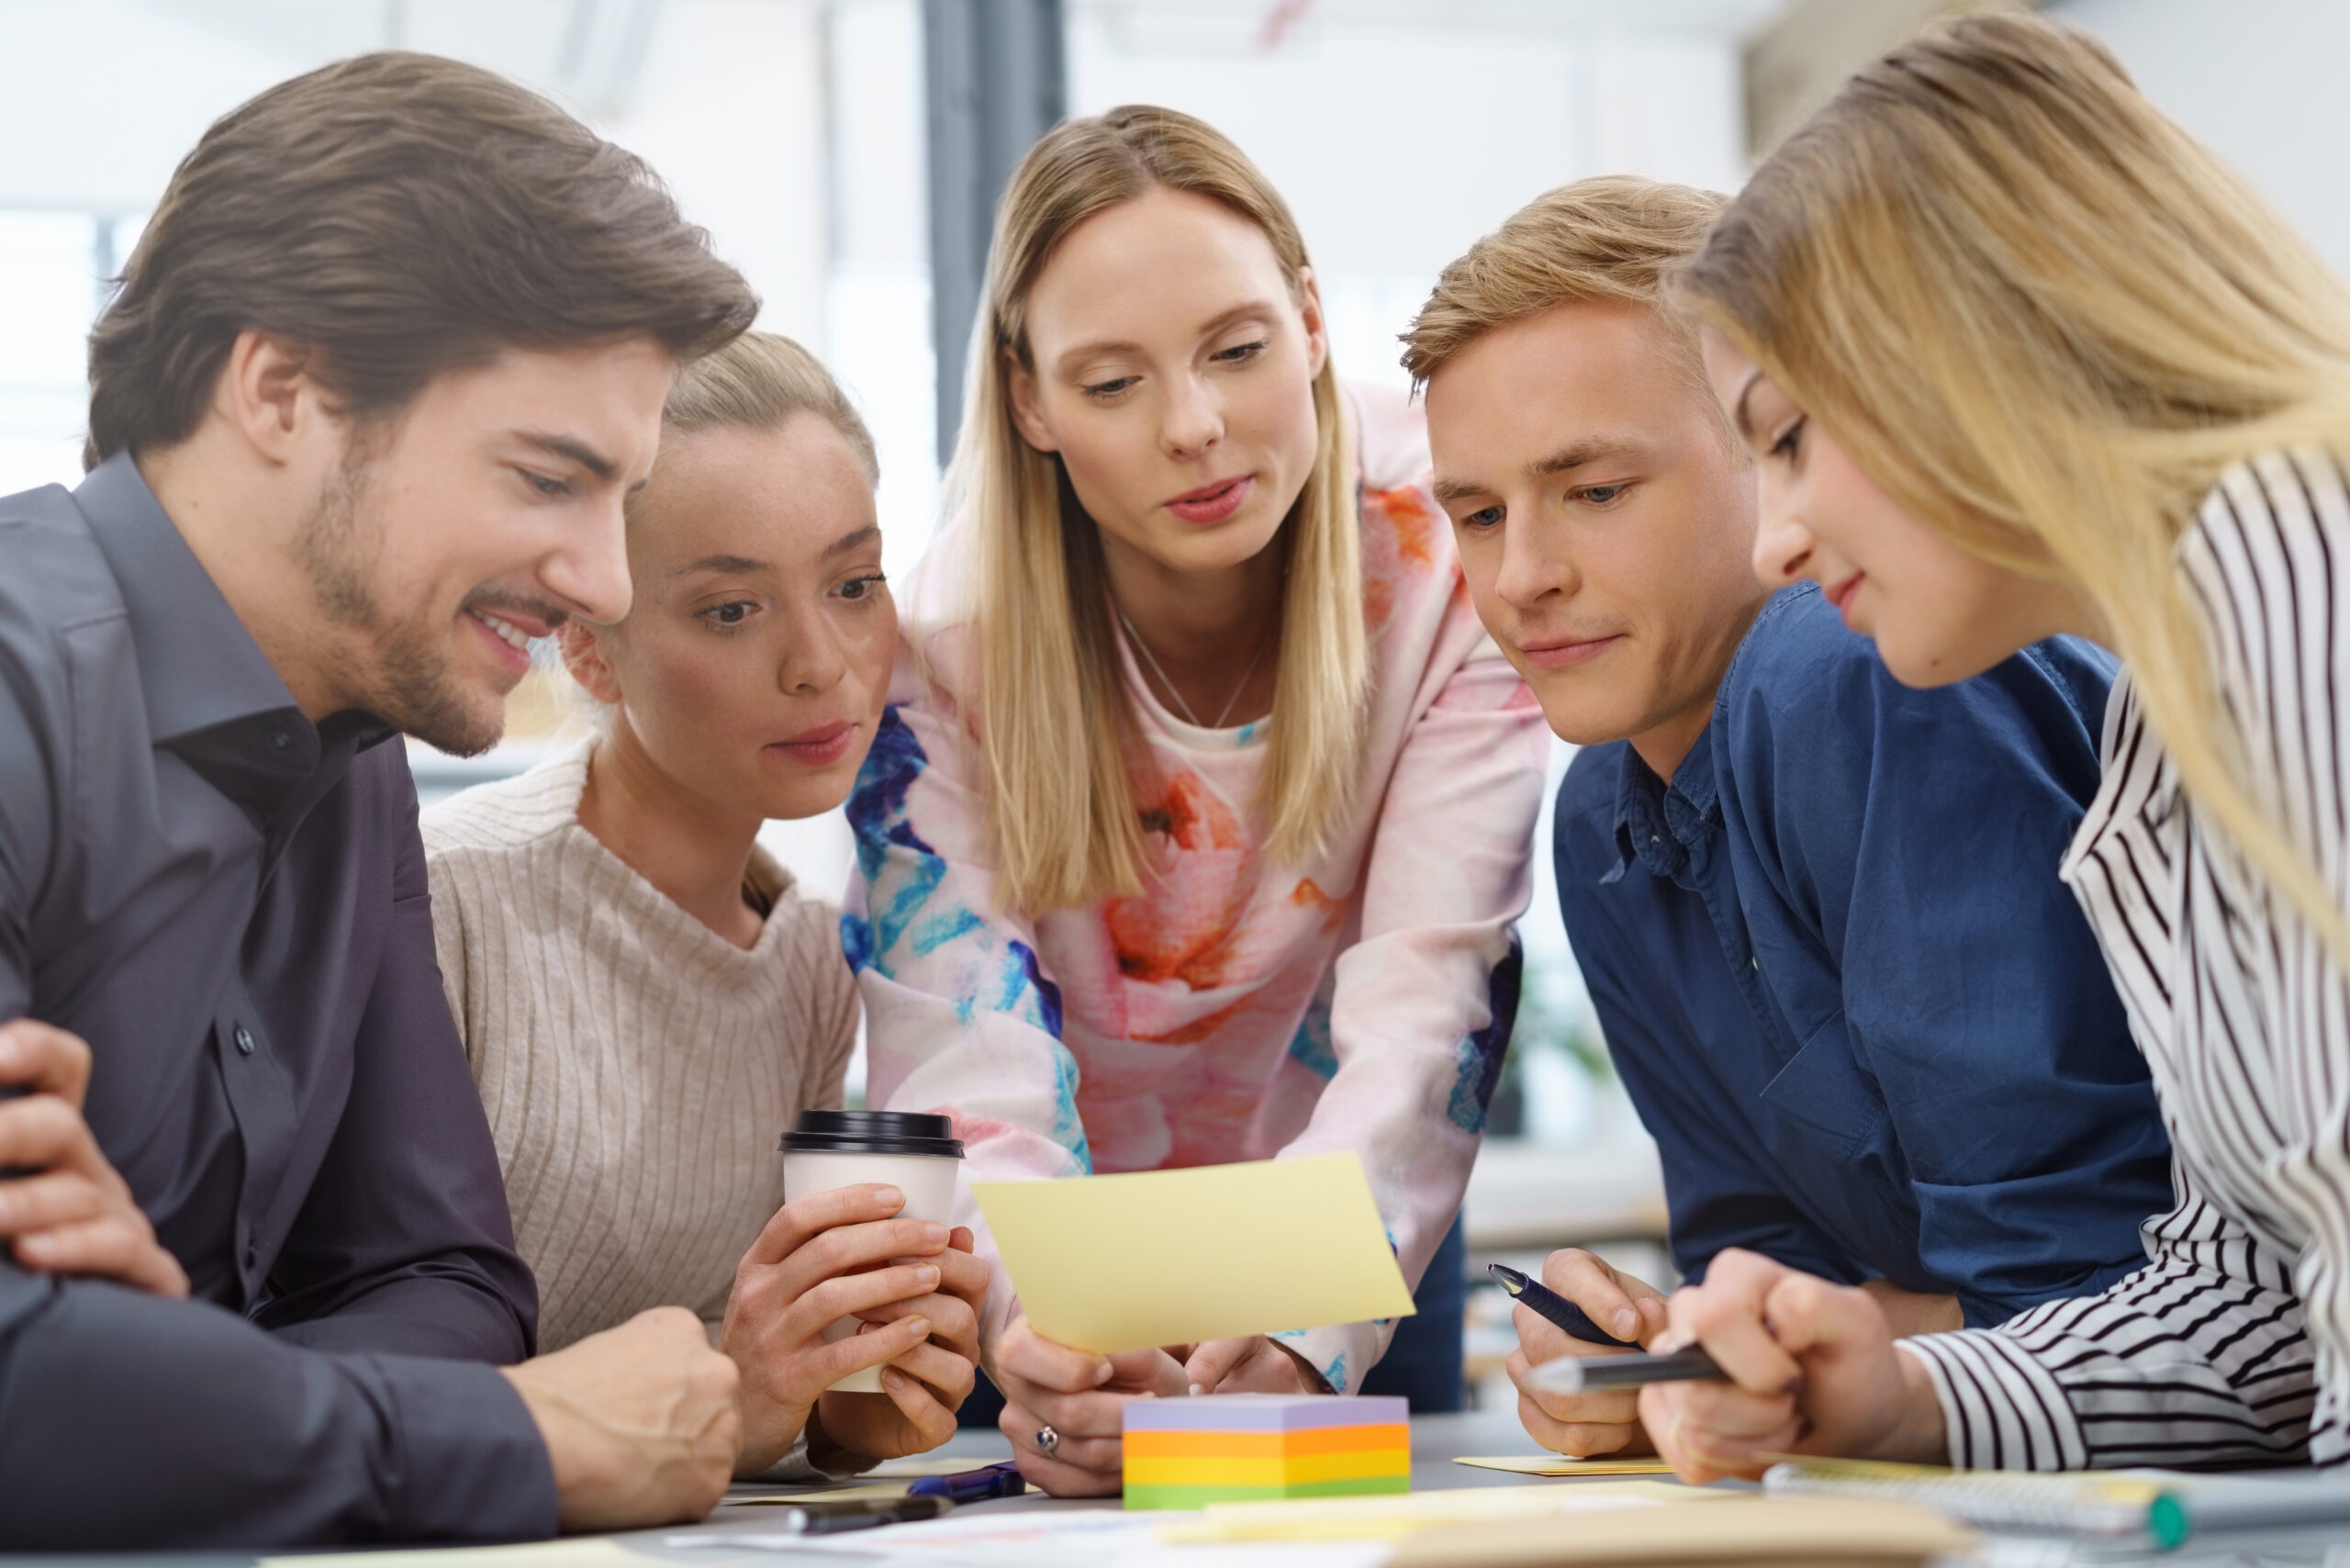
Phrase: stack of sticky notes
pixel 1229 1448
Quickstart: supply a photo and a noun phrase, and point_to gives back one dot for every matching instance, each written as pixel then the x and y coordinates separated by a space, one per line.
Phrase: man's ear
pixel 585 657
pixel 1028 418
pixel 270 392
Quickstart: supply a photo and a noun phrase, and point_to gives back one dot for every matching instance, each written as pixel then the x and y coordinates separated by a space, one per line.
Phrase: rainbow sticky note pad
pixel 1236 1448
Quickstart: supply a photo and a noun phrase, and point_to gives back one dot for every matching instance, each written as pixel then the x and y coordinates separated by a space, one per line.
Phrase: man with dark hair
pixel 385 363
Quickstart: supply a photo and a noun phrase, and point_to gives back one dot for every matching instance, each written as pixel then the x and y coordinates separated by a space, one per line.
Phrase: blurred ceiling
pixel 1236 25
pixel 587 51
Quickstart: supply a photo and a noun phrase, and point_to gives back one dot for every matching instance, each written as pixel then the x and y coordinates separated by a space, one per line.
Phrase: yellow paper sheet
pixel 881 1489
pixel 1173 1257
pixel 1391 1518
pixel 920 1464
pixel 1558 1464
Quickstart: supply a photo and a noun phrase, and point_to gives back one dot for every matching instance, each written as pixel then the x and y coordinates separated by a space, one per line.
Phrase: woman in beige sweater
pixel 646 998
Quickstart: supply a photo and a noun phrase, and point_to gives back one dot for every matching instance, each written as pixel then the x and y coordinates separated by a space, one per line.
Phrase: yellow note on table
pixel 1393 1517
pixel 1215 1252
pixel 1558 1464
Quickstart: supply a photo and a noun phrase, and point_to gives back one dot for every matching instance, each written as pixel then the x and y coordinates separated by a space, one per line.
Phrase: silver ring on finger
pixel 1048 1440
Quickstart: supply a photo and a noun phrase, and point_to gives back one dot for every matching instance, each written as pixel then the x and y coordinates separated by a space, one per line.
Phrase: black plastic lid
pixel 872 1132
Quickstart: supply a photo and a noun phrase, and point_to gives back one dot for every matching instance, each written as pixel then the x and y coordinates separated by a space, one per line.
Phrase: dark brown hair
pixel 402 215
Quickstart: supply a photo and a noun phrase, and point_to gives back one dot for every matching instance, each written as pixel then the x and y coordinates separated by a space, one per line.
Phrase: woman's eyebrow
pixel 853 540
pixel 1740 417
pixel 732 563
pixel 1070 358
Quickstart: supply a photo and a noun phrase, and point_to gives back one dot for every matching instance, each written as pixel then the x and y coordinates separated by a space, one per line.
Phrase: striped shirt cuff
pixel 2001 1408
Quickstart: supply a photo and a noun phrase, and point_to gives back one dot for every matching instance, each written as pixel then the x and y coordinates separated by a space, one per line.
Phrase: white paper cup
pixel 917 1154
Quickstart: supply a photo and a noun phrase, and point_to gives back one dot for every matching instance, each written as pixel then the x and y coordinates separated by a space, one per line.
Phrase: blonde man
pixel 1868 1030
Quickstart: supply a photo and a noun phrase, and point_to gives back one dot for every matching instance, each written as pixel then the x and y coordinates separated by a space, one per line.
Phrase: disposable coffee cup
pixel 917 1154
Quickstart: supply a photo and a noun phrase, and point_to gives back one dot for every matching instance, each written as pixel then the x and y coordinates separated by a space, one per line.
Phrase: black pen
pixel 1581 1374
pixel 817 1517
pixel 1549 1305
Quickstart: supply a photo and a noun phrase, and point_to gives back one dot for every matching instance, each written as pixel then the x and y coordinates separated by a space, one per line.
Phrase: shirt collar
pixel 1657 823
pixel 199 667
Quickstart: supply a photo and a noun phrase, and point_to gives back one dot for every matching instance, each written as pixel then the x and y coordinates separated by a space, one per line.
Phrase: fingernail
pixel 39 1246
pixel 890 1195
pixel 927 1276
pixel 920 1326
pixel 1669 1343
pixel 935 1235
pixel 1102 1373
pixel 892 1378
pixel 1627 1323
pixel 1197 1389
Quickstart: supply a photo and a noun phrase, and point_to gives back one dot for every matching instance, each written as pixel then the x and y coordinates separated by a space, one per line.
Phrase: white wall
pixel 1401 134
pixel 725 97
pixel 2260 82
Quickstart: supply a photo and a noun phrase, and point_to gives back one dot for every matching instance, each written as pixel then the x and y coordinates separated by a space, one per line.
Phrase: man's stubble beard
pixel 399 670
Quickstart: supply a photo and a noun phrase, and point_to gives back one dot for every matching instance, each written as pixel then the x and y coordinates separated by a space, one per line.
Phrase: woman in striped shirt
pixel 2018 357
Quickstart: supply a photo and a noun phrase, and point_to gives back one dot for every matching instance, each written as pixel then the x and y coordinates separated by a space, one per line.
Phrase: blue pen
pixel 1546 1303
pixel 972 1486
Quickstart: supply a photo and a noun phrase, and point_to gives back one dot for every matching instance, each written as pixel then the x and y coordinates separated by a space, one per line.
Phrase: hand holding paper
pixel 1110 1263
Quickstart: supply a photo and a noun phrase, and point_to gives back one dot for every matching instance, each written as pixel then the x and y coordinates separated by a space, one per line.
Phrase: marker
pixel 817 1517
pixel 1581 1374
pixel 973 1485
pixel 1552 1307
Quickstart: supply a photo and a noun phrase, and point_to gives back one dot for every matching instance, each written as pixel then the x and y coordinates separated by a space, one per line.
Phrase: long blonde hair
pixel 1057 725
pixel 2044 318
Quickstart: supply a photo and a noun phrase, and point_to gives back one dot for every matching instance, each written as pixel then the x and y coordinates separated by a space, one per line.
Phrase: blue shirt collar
pixel 1657 823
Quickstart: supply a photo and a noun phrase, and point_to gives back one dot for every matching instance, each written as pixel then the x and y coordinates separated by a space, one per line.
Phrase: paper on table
pixel 587 1551
pixel 1857 1532
pixel 1079 1538
pixel 849 1493
pixel 1558 1464
pixel 1214 1252
pixel 920 1464
pixel 1392 1517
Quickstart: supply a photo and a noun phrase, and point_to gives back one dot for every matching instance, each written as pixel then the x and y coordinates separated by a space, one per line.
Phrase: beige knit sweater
pixel 637 1066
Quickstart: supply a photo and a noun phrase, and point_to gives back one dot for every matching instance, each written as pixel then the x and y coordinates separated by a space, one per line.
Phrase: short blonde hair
pixel 1616 236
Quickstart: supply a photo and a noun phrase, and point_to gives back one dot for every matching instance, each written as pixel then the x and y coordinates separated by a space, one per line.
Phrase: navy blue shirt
pixel 1867 1025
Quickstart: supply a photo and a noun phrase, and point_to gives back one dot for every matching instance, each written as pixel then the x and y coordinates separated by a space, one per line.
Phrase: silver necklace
pixel 1152 660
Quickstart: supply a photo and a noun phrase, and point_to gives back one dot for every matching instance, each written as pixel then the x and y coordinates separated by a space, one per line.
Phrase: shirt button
pixel 244 1041
pixel 279 740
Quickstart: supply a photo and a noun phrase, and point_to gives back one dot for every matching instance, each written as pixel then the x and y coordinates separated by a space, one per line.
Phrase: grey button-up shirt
pixel 229 905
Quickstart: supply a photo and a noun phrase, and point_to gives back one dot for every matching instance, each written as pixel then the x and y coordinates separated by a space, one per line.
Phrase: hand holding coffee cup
pixel 858 1272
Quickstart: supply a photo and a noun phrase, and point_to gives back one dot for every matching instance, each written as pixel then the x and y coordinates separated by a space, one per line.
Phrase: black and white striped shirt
pixel 2233 1344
